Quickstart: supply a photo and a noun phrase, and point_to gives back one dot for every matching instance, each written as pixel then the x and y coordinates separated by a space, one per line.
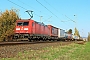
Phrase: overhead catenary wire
pixel 30 6
pixel 48 9
pixel 70 19
pixel 53 7
pixel 50 5
pixel 59 12
pixel 47 19
pixel 26 4
pixel 17 5
pixel 20 6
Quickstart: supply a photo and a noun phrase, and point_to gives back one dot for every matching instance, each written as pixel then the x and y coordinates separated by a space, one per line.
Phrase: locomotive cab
pixel 23 29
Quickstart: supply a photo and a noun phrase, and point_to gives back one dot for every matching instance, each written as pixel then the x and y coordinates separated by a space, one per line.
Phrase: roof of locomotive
pixel 24 19
pixel 41 23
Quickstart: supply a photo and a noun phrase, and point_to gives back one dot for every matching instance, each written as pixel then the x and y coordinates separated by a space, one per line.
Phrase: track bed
pixel 8 51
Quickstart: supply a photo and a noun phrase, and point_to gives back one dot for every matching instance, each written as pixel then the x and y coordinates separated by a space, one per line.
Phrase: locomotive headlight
pixel 17 28
pixel 26 31
pixel 25 28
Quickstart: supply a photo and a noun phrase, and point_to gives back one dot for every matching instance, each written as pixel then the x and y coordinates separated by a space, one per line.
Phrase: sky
pixel 64 14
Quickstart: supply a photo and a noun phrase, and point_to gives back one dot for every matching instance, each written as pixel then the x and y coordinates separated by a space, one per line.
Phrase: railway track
pixel 25 42
pixel 33 42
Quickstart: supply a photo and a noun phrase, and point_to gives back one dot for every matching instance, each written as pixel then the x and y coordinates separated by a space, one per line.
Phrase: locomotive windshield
pixel 22 23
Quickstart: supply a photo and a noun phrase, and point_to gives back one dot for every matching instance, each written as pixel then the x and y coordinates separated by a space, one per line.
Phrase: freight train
pixel 28 29
pixel 31 30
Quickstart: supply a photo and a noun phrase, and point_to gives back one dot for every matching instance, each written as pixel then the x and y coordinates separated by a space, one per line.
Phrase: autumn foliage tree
pixel 76 32
pixel 69 31
pixel 88 36
pixel 7 23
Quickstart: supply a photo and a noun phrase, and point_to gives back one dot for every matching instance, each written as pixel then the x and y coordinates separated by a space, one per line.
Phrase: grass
pixel 70 52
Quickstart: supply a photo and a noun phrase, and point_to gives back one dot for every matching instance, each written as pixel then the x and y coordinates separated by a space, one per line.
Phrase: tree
pixel 69 31
pixel 76 32
pixel 7 23
pixel 88 36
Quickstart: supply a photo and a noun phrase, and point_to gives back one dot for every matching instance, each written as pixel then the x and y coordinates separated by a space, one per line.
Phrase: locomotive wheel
pixel 29 39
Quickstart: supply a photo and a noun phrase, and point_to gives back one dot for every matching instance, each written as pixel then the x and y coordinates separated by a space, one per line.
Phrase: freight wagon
pixel 53 32
pixel 68 36
pixel 61 34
